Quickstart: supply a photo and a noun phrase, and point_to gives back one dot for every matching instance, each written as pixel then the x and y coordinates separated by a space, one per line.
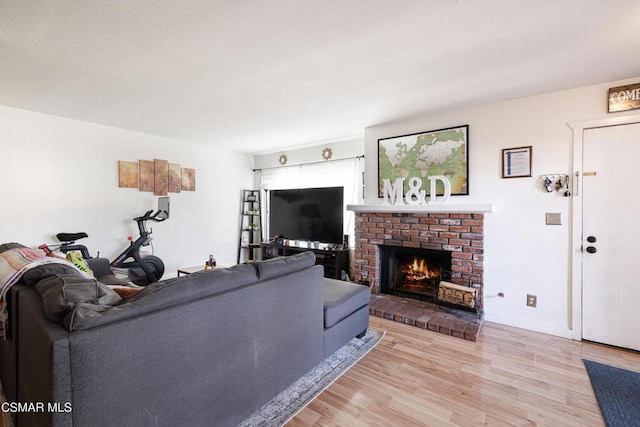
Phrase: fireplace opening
pixel 412 272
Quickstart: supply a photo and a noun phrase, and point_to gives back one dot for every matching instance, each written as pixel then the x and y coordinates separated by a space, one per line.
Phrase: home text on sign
pixel 623 98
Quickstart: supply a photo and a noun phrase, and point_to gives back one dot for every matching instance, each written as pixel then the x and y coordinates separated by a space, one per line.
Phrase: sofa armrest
pixel 44 373
pixel 8 346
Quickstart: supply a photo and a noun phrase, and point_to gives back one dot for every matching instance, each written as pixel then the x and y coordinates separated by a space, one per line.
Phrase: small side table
pixel 189 270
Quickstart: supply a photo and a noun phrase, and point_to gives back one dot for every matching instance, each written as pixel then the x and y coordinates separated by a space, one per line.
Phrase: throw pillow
pixel 61 293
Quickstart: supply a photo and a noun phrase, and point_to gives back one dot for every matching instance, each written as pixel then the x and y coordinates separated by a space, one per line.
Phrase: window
pixel 345 173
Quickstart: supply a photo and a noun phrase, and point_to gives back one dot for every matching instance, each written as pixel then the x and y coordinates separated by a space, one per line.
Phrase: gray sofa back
pixel 160 295
pixel 206 349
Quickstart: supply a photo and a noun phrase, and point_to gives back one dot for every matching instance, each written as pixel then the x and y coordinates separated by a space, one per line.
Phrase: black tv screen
pixel 308 214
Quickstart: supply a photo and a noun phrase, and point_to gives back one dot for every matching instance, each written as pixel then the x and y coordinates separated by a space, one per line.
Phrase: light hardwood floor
pixel 509 377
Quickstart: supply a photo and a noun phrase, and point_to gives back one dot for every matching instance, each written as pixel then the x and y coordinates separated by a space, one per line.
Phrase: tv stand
pixel 334 261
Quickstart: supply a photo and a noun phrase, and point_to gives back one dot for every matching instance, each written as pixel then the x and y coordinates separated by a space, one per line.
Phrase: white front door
pixel 611 235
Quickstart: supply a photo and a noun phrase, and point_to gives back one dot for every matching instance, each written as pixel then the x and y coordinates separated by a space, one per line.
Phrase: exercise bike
pixel 141 270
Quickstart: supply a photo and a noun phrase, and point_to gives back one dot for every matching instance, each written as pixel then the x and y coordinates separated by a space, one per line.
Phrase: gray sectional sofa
pixel 205 349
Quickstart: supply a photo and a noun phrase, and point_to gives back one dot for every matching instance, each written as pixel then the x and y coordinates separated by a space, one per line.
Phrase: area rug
pixel 292 400
pixel 618 393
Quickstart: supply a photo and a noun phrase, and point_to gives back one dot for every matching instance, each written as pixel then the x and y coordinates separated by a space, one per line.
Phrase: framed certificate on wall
pixel 516 162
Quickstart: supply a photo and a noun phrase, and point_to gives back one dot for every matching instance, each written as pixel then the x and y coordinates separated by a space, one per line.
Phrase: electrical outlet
pixel 531 300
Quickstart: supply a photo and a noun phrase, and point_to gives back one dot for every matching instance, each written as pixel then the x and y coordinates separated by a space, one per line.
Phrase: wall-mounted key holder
pixel 558 182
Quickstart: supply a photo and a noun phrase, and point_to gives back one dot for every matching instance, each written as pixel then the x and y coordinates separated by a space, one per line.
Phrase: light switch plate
pixel 553 218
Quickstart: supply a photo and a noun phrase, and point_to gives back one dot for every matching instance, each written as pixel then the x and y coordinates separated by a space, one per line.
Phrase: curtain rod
pixel 310 163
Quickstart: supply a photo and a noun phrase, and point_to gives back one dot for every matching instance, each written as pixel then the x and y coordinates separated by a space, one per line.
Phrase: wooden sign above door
pixel 623 98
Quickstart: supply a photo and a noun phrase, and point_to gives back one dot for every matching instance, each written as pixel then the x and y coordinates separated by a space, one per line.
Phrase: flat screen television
pixel 307 214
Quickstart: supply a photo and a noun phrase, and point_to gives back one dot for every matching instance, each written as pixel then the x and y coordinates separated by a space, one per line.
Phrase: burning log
pixel 418 271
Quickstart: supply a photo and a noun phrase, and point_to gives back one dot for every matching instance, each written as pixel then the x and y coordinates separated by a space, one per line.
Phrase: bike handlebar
pixel 147 216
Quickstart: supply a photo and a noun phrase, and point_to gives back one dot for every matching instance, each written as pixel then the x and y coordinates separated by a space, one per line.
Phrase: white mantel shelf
pixel 444 208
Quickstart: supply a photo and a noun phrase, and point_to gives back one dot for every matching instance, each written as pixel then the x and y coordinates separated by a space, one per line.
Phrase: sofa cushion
pixel 102 271
pixel 61 293
pixel 341 299
pixel 36 274
pixel 160 295
pixel 279 266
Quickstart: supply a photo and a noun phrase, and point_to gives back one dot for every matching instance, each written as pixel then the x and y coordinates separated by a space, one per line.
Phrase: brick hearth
pixel 425 315
pixel 460 233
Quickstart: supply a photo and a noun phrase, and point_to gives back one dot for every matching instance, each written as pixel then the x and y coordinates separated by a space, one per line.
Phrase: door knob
pixel 592 239
pixel 591 249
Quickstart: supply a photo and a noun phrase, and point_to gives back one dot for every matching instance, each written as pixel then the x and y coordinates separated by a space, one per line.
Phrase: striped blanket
pixel 13 264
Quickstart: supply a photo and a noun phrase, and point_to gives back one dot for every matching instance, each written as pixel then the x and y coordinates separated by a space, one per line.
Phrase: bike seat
pixel 70 237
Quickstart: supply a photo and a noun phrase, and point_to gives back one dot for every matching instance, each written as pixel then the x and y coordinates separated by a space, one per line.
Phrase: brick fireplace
pixel 412 272
pixel 458 229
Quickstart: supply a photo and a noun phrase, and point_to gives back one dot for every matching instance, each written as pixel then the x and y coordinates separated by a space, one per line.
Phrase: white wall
pixel 62 175
pixel 340 150
pixel 522 254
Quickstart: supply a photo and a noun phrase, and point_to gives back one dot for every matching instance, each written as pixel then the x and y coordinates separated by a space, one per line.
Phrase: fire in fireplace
pixel 413 273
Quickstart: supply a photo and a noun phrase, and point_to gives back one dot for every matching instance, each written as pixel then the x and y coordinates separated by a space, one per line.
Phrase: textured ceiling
pixel 258 76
